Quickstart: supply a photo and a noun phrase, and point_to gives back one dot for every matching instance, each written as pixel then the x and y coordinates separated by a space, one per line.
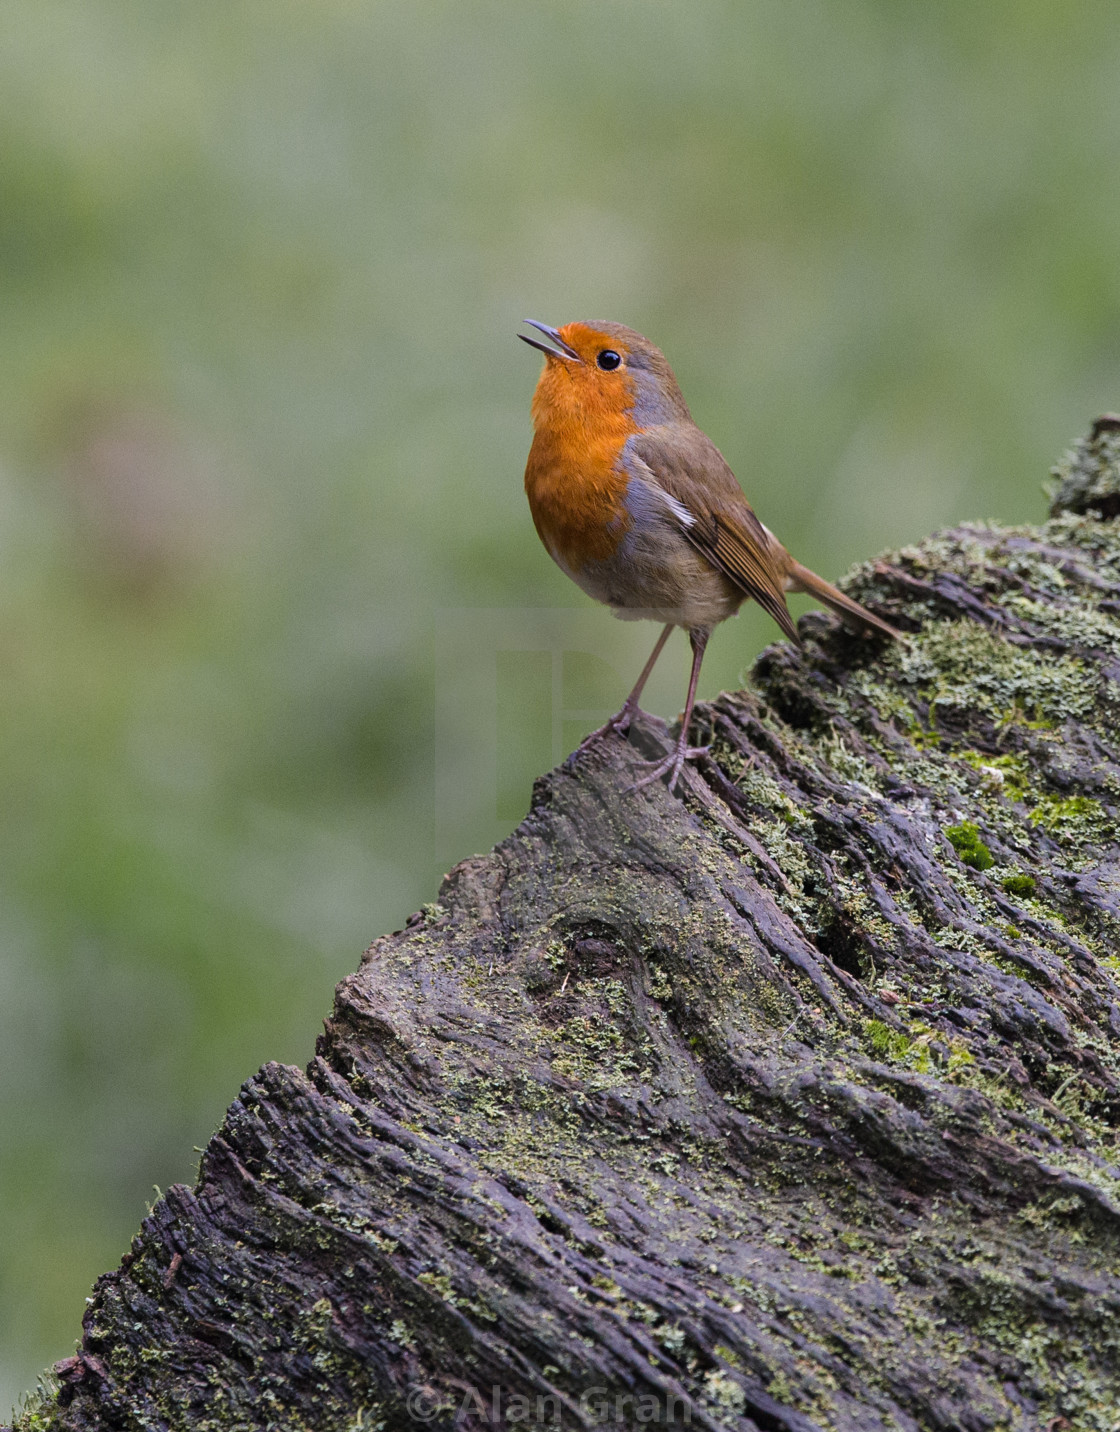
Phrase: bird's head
pixel 597 369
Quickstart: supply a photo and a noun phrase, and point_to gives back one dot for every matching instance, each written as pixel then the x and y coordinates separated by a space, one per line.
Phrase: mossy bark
pixel 772 1106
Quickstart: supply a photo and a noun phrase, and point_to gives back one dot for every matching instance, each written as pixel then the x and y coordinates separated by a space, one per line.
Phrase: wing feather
pixel 736 554
pixel 721 523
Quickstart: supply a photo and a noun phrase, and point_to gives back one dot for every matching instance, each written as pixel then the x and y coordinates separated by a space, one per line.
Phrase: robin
pixel 639 508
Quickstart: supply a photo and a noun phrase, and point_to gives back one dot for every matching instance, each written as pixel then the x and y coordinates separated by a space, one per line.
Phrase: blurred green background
pixel 263 422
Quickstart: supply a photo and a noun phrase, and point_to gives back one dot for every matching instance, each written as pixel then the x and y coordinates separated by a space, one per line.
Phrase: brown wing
pixel 732 547
pixel 687 465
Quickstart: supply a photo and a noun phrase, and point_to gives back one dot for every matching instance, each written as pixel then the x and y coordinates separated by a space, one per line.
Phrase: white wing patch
pixel 678 509
pixel 644 486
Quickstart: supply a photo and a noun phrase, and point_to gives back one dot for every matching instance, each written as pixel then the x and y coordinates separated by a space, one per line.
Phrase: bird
pixel 636 504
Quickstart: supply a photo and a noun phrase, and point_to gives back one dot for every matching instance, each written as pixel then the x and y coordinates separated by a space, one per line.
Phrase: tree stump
pixel 788 1104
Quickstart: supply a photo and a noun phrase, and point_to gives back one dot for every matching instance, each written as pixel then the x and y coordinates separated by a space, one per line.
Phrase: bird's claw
pixel 670 765
pixel 616 726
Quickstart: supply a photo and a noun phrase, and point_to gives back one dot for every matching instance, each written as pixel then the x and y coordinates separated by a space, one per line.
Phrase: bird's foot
pixel 670 765
pixel 616 726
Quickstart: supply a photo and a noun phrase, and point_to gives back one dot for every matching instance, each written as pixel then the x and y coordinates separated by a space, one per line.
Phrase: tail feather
pixel 801 579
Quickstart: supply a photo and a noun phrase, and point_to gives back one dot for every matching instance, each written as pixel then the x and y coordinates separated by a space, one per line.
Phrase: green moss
pixel 1072 817
pixel 724 1392
pixel 959 1055
pixel 963 666
pixel 965 840
pixel 1018 884
pixel 440 1284
pixel 1006 774
pixel 39 1409
pixel 888 1043
pixel 1088 477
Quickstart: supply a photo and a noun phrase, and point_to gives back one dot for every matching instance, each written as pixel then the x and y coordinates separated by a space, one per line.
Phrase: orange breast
pixel 575 491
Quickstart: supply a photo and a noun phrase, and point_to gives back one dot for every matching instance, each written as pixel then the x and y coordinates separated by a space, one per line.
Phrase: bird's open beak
pixel 562 350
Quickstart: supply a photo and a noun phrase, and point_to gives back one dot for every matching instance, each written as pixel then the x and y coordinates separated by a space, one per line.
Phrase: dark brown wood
pixel 789 1104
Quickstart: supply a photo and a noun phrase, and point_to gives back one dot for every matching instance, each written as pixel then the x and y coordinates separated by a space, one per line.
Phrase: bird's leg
pixel 672 764
pixel 621 722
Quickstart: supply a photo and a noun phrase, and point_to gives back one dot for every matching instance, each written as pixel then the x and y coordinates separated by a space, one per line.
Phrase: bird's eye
pixel 608 359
